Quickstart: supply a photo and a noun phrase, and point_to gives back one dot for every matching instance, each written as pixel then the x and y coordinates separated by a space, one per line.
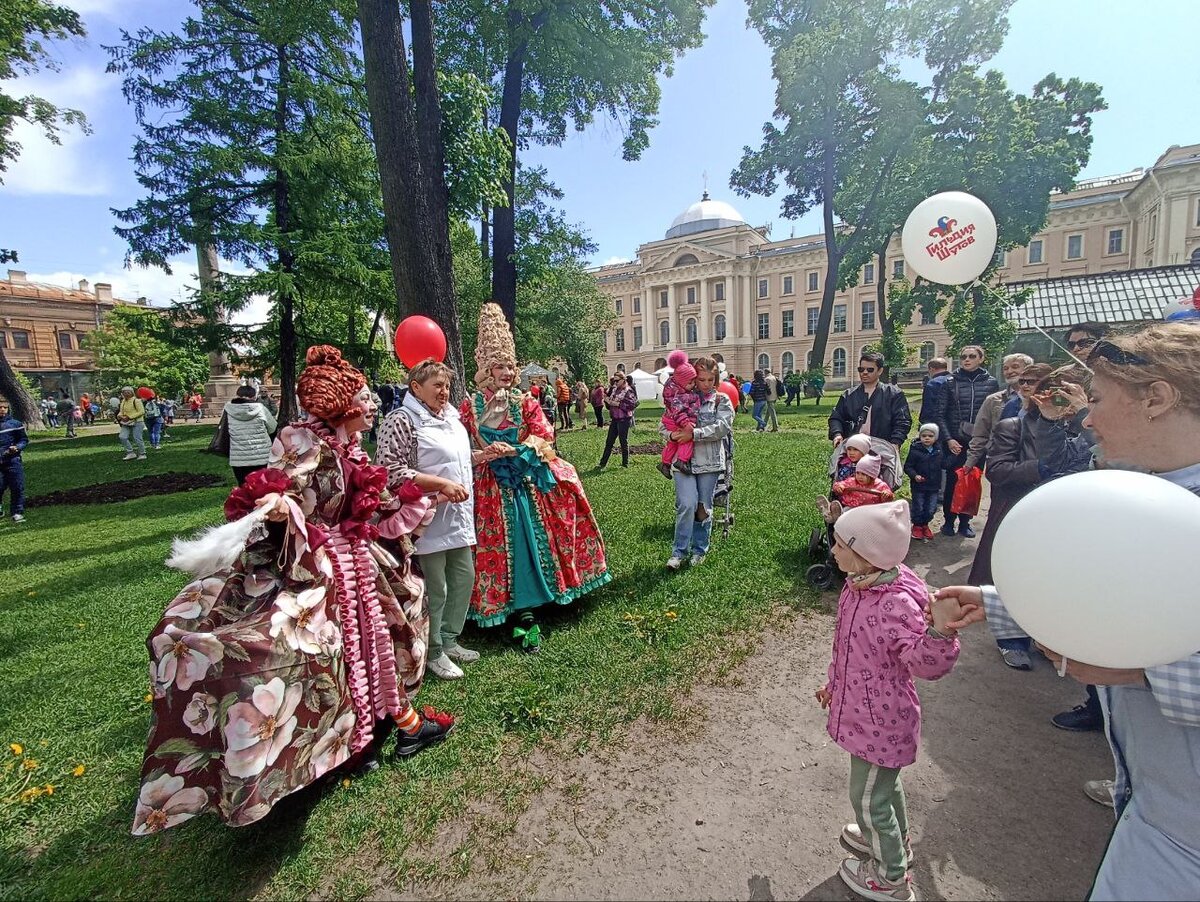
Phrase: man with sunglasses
pixel 872 408
pixel 996 407
pixel 965 393
pixel 1082 337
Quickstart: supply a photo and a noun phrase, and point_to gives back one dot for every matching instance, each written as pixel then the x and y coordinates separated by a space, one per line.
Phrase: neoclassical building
pixel 714 283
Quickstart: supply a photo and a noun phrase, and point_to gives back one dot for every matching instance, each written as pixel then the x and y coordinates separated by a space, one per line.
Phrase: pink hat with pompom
pixel 684 372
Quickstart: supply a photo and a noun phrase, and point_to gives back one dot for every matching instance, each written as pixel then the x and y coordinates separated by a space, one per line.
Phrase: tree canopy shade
pixel 563 63
pixel 866 145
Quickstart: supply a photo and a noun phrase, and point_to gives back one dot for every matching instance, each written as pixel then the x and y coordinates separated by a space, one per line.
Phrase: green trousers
pixel 449 579
pixel 877 797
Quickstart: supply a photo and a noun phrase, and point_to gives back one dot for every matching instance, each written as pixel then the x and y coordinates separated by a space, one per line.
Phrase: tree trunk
pixel 504 235
pixel 887 328
pixel 833 256
pixel 24 408
pixel 411 156
pixel 485 237
pixel 287 261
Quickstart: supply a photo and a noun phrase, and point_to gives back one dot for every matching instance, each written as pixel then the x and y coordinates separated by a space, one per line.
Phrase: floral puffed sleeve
pixel 533 421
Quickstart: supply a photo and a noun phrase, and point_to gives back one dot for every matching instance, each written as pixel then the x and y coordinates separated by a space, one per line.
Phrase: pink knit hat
pixel 683 371
pixel 878 533
pixel 869 464
pixel 860 442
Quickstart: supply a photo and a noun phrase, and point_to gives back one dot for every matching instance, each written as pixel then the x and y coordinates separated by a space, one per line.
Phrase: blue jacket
pixel 933 400
pixel 927 462
pixel 12 435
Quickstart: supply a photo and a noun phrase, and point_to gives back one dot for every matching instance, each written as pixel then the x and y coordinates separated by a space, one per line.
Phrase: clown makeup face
pixel 363 421
pixel 503 374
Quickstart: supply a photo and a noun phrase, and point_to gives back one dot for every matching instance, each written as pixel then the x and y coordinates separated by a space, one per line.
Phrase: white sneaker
pixel 1099 791
pixel 445 668
pixel 141 457
pixel 463 655
pixel 20 518
pixel 674 562
pixel 130 456
pixel 698 559
pixel 853 837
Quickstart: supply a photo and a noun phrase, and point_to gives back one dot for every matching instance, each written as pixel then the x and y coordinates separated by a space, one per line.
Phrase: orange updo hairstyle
pixel 328 385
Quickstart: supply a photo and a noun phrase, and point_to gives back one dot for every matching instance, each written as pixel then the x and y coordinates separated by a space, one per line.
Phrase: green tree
pixel 563 63
pixel 846 115
pixel 131 349
pixel 25 27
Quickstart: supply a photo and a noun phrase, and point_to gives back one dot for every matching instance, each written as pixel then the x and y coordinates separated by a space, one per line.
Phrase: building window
pixel 637 338
pixel 1198 212
pixel 789 323
pixel 662 300
pixel 719 291
pixel 787 362
pixel 1116 241
pixel 1074 247
pixel 719 327
pixel 64 341
pixel 1153 226
pixel 1035 252
pixel 808 359
pixel 762 288
pixel 764 325
pixel 814 280
pixel 839 317
pixel 686 259
pixel 664 333
pixel 618 306
pixel 691 294
pixel 1196 257
pixel 620 340
pixel 788 285
pixel 20 340
pixel 1001 257
pixel 869 274
pixel 814 316
pixel 764 362
pixel 928 317
pixel 928 352
pixel 839 363
pixel 637 305
pixel 868 315
pixel 3 339
pixel 898 268
pixel 689 330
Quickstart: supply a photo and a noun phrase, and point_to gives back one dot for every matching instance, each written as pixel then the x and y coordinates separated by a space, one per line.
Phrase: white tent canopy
pixel 646 385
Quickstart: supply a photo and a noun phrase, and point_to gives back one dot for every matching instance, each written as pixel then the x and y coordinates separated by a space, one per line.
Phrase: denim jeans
pixel 757 413
pixel 924 505
pixel 12 477
pixel 155 425
pixel 690 490
pixel 132 433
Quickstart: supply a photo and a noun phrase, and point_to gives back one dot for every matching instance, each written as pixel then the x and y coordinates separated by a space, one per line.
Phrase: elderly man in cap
pixel 131 420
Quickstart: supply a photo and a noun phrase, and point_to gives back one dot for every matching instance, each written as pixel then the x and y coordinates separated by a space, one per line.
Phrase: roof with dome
pixel 704 216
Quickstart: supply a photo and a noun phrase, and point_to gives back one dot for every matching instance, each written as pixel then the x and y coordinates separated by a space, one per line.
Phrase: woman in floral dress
pixel 538 542
pixel 301 640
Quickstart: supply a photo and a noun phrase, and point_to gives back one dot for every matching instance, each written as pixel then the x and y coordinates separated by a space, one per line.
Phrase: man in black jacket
pixel 874 409
pixel 965 393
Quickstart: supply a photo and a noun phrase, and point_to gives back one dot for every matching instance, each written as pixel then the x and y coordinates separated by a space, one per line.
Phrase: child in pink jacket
pixel 881 642
pixel 865 486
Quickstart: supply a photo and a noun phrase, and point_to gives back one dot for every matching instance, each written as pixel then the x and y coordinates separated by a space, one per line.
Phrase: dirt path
pixel 750 804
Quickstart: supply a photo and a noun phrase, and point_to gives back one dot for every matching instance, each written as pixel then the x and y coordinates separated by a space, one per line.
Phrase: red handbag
pixel 968 491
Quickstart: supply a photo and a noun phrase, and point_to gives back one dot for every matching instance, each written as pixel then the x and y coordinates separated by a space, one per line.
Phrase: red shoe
pixel 928 532
pixel 917 532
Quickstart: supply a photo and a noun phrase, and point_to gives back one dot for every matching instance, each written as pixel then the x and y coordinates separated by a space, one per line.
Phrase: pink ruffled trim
pixel 411 515
pixel 366 640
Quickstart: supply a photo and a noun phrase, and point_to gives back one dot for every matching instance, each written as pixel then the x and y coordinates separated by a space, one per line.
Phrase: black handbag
pixel 220 439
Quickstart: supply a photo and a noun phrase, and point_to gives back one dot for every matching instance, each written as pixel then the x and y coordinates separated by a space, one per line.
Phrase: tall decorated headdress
pixel 494 344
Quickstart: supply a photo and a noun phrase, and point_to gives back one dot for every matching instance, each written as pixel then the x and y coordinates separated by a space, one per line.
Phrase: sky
pixel 55 203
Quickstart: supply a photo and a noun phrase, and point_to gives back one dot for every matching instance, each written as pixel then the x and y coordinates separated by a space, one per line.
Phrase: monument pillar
pixel 222 384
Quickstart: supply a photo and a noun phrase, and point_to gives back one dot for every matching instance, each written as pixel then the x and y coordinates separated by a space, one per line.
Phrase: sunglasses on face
pixel 1106 350
pixel 866 369
pixel 1080 344
pixel 969 357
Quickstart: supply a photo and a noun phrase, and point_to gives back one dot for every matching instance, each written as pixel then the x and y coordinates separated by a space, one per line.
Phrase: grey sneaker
pixel 18 518
pixel 463 655
pixel 1100 792
pixel 130 456
pixel 852 836
pixel 444 668
pixel 1016 658
pixel 674 562
pixel 698 559
pixel 141 457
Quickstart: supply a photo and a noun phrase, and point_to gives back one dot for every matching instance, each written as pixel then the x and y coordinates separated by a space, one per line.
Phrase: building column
pixel 672 317
pixel 703 321
pixel 648 300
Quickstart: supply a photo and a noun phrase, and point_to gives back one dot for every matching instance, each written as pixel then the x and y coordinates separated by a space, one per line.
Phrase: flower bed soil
pixel 648 448
pixel 128 489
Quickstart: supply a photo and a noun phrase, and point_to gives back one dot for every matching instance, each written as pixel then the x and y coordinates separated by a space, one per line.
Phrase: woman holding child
pixel 694 491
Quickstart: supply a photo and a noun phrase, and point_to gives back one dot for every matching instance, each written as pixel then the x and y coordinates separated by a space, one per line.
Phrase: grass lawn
pixel 83 585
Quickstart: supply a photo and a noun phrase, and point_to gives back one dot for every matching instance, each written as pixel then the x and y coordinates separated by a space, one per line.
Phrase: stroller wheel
pixel 816 543
pixel 819 576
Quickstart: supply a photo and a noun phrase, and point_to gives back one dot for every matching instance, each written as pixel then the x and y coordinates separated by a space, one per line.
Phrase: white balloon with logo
pixel 1100 567
pixel 949 238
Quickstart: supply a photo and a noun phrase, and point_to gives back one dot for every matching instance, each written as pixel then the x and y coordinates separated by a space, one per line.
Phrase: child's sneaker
pixel 852 837
pixel 684 466
pixel 918 532
pixel 928 532
pixel 864 880
pixel 665 469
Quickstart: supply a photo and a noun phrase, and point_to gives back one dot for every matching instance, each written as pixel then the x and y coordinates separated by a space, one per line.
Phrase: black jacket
pixel 927 462
pixel 758 391
pixel 933 401
pixel 890 417
pixel 964 396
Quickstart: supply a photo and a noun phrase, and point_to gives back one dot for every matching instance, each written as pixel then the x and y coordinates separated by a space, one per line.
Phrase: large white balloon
pixel 949 238
pixel 1101 567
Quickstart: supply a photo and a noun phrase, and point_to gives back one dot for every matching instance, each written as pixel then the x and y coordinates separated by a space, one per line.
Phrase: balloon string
pixel 995 294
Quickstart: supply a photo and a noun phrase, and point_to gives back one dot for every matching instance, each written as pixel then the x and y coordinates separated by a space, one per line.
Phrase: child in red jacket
pixel 865 486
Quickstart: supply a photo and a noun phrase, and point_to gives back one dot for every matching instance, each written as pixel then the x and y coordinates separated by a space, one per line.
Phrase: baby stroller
pixel 722 497
pixel 823 572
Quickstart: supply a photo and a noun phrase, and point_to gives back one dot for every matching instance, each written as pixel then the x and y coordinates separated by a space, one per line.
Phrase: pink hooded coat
pixel 879 645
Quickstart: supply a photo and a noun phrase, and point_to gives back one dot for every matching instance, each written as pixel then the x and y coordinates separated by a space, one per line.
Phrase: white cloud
pixel 614 260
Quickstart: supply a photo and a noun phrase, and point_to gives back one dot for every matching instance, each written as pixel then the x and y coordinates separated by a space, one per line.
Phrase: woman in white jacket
pixel 250 426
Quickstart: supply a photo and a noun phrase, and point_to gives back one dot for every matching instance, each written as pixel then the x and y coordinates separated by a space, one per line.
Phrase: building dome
pixel 704 216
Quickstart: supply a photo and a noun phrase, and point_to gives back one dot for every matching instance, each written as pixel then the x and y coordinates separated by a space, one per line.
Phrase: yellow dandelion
pixel 148 698
pixel 49 790
pixel 29 764
pixel 30 794
pixel 32 594
pixel 671 615
pixel 346 783
pixel 78 771
pixel 17 748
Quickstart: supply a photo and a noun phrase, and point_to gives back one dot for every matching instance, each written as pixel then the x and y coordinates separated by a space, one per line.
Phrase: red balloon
pixel 726 388
pixel 419 338
pixel 145 393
